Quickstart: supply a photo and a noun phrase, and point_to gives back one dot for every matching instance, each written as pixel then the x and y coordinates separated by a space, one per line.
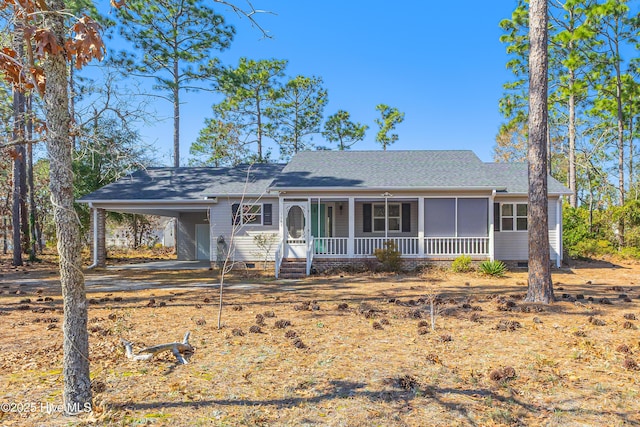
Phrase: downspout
pixel 94 211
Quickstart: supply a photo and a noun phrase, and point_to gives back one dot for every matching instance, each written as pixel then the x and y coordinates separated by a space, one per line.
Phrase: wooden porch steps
pixel 293 268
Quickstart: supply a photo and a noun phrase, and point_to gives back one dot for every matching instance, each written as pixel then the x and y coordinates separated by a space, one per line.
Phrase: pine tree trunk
pixel 32 190
pixel 24 213
pixel 631 179
pixel 77 384
pixel 573 198
pixel 540 286
pixel 259 126
pixel 620 145
pixel 176 117
pixel 18 171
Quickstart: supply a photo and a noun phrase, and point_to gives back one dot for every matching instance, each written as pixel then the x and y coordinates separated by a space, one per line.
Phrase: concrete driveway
pixel 170 264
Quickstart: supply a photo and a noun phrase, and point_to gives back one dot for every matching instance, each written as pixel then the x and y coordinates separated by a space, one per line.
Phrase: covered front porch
pixel 353 227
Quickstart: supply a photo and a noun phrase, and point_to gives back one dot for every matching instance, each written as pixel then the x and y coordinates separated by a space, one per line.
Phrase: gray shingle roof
pixel 316 170
pixel 514 176
pixel 404 169
pixel 173 184
pixel 381 169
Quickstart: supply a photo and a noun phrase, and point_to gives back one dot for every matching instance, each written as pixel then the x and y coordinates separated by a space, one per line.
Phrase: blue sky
pixel 441 63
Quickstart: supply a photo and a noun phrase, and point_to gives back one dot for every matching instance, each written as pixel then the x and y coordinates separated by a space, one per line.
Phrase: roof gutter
pixel 229 195
pixel 206 201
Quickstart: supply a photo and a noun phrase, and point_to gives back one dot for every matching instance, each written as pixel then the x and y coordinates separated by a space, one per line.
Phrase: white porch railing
pixel 367 245
pixel 309 255
pixel 455 246
pixel 279 255
pixel 330 246
pixel 327 247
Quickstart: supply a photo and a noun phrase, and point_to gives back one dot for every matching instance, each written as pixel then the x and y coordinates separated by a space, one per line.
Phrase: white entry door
pixel 203 242
pixel 295 227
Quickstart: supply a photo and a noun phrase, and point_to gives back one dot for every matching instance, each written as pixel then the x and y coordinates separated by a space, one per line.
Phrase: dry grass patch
pixel 359 355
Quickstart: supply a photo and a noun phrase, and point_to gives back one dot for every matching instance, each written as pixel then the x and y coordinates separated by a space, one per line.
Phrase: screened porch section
pixel 420 227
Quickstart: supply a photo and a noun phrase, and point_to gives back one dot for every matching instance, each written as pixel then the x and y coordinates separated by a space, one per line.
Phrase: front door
pixel 203 242
pixel 295 227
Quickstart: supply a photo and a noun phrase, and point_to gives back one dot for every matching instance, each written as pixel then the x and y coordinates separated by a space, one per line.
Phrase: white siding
pixel 245 246
pixel 514 245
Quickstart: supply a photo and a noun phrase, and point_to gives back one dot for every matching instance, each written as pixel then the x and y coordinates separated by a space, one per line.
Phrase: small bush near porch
pixel 355 350
pixel 389 256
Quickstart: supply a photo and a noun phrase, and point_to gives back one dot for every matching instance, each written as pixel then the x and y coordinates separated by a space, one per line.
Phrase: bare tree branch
pixel 249 12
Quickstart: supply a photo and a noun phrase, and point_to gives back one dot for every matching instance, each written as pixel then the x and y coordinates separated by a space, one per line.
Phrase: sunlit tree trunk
pixel 573 198
pixel 77 384
pixel 18 155
pixel 32 190
pixel 540 286
pixel 176 116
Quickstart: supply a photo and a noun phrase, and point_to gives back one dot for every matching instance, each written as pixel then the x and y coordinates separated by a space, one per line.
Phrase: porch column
pixel 281 217
pixel 352 227
pixel 559 232
pixel 491 227
pixel 421 227
pixel 307 222
pixel 98 246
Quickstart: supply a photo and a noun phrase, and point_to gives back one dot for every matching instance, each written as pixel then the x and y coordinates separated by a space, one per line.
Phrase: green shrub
pixel 591 248
pixel 389 256
pixel 629 253
pixel 462 264
pixel 493 268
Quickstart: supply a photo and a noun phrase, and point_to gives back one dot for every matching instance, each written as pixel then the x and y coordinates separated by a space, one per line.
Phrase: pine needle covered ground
pixel 332 350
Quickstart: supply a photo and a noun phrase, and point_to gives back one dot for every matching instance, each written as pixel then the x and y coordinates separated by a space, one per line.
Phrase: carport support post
pixel 98 247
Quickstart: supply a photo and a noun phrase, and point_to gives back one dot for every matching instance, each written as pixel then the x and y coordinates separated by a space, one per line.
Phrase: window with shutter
pixel 366 217
pixel 250 214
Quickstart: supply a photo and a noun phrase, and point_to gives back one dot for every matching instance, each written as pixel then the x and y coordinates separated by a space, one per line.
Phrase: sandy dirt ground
pixel 337 350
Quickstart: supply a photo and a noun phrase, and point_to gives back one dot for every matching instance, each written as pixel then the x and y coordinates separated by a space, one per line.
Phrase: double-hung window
pixel 394 217
pixel 252 214
pixel 514 217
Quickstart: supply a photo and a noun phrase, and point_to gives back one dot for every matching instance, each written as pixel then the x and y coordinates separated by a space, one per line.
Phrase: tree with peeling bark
pixel 51 43
pixel 540 286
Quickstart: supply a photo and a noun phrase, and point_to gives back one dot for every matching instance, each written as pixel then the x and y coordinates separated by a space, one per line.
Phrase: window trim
pixel 514 217
pixel 243 214
pixel 386 217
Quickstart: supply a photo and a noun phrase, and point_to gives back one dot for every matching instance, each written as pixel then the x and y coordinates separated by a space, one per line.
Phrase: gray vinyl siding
pixel 340 220
pixel 245 248
pixel 514 245
pixel 187 234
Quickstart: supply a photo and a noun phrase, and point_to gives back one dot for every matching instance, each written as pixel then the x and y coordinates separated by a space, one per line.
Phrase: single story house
pixel 331 208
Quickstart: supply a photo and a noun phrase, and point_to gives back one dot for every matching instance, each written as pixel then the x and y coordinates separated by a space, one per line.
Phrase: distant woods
pixel 262 108
pixel 593 104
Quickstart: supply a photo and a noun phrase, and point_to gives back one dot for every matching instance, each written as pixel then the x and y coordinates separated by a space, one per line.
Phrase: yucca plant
pixel 493 268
